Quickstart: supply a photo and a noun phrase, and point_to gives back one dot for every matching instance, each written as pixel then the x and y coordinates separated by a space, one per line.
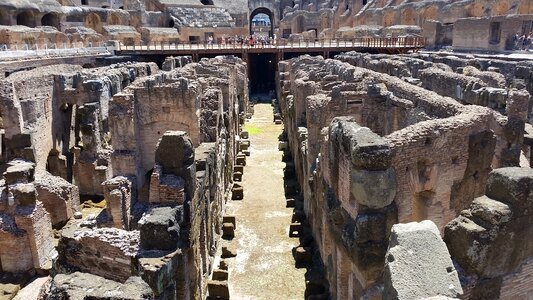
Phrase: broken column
pixel 118 194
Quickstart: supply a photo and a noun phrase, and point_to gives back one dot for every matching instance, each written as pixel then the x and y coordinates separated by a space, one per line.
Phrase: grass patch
pixel 252 129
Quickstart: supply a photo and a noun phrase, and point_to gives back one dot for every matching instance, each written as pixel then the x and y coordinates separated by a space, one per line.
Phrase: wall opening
pixel 84 2
pixel 495 32
pixel 259 16
pixel 207 2
pixel 50 19
pixel 262 72
pixel 26 18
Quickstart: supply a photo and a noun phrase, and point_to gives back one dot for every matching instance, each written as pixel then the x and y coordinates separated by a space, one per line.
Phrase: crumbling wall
pixel 490 240
pixel 420 156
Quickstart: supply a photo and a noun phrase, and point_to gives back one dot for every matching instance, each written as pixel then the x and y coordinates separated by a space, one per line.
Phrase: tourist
pixel 516 41
pixel 210 40
pixel 529 41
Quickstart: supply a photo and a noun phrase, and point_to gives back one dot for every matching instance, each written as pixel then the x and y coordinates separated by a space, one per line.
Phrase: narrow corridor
pixel 264 267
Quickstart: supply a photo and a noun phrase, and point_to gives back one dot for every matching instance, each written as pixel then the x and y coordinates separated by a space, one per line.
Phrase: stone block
pixel 238 168
pixel 159 228
pixel 220 275
pixel 158 269
pixel 19 172
pixel 246 152
pixel 229 219
pixel 229 251
pixel 302 255
pixel 237 192
pixel 374 189
pixel 244 135
pixel 291 202
pixel 237 176
pixel 241 159
pixel 24 194
pixel 87 286
pixel 223 265
pixel 282 146
pixel 511 186
pixel 218 289
pixel 295 229
pixel 228 230
pixel 418 264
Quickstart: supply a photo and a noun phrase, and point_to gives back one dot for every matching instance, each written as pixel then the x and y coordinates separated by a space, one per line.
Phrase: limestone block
pixel 220 275
pixel 229 251
pixel 237 192
pixel 24 194
pixel 237 176
pixel 159 228
pixel 228 230
pixel 19 172
pixel 302 255
pixel 218 289
pixel 375 189
pixel 418 264
pixel 511 186
pixel 159 268
pixel 59 197
pixel 87 286
pixel 241 159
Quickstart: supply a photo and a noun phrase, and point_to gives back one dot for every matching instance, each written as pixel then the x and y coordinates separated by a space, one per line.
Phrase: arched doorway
pixel 26 18
pixel 93 21
pixel 50 19
pixel 114 19
pixel 262 22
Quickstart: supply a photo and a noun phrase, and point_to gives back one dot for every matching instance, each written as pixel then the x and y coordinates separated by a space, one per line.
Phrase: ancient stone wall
pixel 420 156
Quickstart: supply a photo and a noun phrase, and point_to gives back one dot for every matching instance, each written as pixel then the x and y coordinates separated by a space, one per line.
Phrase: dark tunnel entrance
pixel 262 73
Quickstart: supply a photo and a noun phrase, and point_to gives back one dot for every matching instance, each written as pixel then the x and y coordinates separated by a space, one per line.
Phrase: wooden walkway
pixel 378 45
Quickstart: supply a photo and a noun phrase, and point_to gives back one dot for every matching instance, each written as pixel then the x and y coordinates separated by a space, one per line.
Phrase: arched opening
pixel 261 25
pixel 26 18
pixel 261 22
pixel 93 21
pixel 114 19
pixel 50 19
pixel 171 23
pixel 207 2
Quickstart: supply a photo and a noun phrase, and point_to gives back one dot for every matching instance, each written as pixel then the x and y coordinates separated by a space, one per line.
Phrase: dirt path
pixel 264 267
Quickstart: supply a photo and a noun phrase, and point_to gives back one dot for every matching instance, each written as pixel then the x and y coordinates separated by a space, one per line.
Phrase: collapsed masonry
pixel 158 146
pixel 404 154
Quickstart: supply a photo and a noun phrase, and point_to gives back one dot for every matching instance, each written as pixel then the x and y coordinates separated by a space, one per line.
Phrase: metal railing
pixel 371 42
pixel 44 50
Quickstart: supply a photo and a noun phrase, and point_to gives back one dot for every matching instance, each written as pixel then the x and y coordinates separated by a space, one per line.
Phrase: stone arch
pixel 476 10
pixel 26 18
pixel 135 21
pixel 430 13
pixel 50 19
pixel 409 16
pixel 299 24
pixel 325 21
pixel 500 8
pixel 388 18
pixel 266 11
pixel 114 19
pixel 525 7
pixel 93 21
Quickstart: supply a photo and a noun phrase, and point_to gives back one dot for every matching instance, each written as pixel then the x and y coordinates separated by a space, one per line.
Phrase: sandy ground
pixel 264 267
